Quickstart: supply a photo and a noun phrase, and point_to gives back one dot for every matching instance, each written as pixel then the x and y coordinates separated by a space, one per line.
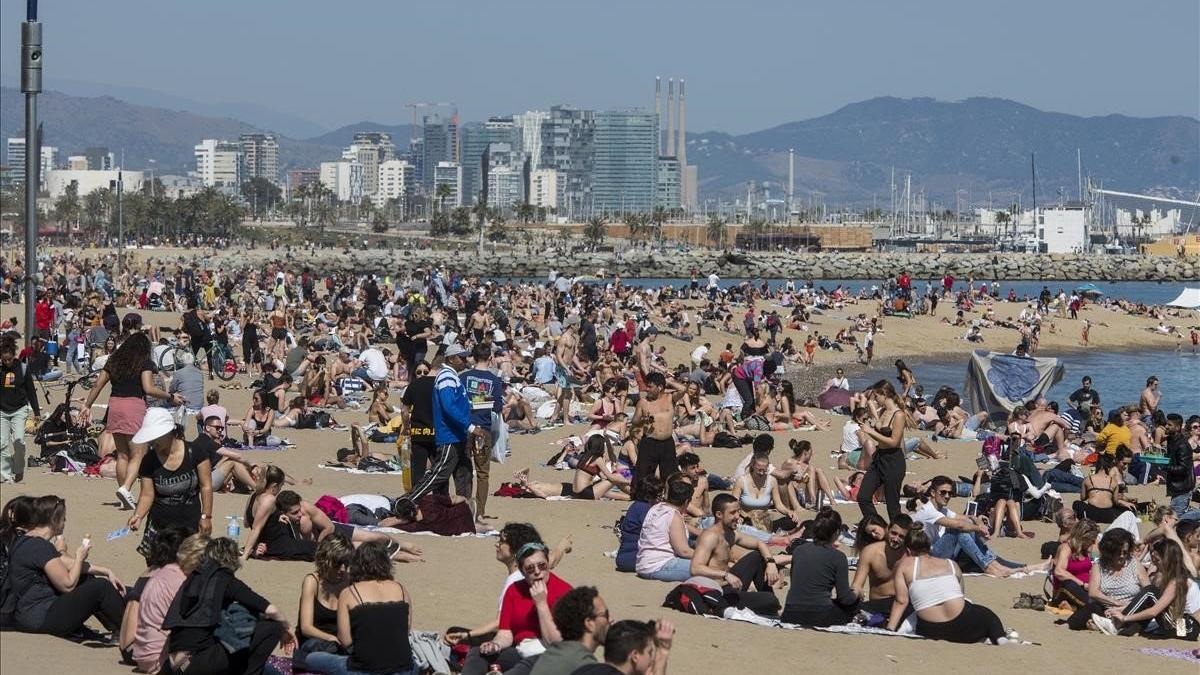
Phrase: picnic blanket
pixel 350 469
pixel 393 530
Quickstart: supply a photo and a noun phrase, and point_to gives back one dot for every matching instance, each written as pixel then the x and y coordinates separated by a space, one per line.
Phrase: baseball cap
pixel 456 350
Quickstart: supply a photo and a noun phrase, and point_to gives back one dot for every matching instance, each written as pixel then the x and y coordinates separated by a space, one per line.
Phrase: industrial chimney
pixel 681 151
pixel 670 117
pixel 658 110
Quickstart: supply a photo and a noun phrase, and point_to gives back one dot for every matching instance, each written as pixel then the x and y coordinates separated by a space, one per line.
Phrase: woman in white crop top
pixel 935 589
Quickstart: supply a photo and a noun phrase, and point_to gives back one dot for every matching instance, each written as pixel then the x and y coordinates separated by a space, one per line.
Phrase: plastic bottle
pixel 233 530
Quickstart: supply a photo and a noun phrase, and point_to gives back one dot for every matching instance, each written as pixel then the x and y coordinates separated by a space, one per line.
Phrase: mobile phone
pixel 972 509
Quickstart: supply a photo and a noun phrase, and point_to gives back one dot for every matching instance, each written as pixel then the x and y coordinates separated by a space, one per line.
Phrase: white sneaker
pixel 1105 624
pixel 126 498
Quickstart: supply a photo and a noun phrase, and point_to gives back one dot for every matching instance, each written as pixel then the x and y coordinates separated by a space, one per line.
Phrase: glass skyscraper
pixel 625 162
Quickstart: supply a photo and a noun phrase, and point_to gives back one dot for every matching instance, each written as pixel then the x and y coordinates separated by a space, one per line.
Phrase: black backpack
pixel 724 439
pixel 696 600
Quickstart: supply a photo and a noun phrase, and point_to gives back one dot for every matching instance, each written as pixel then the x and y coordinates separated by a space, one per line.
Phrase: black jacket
pixel 198 602
pixel 1181 476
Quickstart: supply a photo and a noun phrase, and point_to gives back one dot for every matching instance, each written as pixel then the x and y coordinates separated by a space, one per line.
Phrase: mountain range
pixel 976 146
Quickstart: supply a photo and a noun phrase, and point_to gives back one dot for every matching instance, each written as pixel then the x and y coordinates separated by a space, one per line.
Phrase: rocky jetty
pixel 682 264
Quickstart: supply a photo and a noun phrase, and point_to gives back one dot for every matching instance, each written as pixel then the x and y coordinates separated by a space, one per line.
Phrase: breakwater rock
pixel 682 264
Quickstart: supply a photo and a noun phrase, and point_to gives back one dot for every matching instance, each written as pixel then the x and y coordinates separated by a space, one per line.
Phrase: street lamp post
pixel 31 86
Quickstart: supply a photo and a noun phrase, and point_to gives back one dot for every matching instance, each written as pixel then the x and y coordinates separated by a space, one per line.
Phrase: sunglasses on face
pixel 946 493
pixel 536 567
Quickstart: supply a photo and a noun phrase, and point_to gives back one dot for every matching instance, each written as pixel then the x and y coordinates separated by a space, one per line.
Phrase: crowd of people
pixel 474 363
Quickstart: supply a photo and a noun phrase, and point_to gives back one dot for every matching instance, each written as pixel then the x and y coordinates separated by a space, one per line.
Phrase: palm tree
pixel 658 217
pixel 525 212
pixel 460 219
pixel 636 224
pixel 442 192
pixel 716 230
pixel 594 230
pixel 94 209
pixel 67 207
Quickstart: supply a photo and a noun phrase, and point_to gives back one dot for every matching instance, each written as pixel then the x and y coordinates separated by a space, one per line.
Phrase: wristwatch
pixel 205 516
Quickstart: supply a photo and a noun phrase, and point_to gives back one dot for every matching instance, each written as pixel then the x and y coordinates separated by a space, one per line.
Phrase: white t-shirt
pixel 375 363
pixel 370 502
pixel 699 354
pixel 850 436
pixel 1191 605
pixel 928 516
pixel 838 383
pixel 713 280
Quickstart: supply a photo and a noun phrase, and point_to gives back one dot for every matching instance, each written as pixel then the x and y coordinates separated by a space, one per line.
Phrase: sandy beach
pixel 460 578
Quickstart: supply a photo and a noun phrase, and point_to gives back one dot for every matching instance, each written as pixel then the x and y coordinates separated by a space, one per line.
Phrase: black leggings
pixel 751 570
pixel 92 596
pixel 746 391
pixel 423 453
pixel 1079 620
pixel 973 624
pixel 820 617
pixel 437 479
pixel 1073 592
pixel 214 660
pixel 887 468
pixel 655 454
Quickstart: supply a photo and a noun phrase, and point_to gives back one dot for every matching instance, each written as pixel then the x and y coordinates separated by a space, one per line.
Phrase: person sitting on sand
pixel 316 631
pixel 820 593
pixel 951 535
pixel 1101 492
pixel 713 564
pixel 759 491
pixel 876 569
pixel 806 481
pixel 1165 600
pixel 595 477
pixel 664 552
pixel 857 447
pixel 1073 565
pixel 933 587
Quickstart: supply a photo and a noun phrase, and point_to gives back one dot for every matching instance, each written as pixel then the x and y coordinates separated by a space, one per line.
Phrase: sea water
pixel 1120 377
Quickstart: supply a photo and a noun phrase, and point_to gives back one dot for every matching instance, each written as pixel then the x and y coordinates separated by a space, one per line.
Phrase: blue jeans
pixel 1063 481
pixel 335 664
pixel 676 569
pixel 953 542
pixel 1181 505
pixel 361 373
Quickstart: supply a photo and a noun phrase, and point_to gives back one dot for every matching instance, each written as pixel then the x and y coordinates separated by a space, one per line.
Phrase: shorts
pixel 563 379
pixel 279 333
pixel 853 457
pixel 758 423
pixel 568 490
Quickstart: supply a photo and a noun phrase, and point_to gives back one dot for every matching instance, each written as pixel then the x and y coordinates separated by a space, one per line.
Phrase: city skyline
pixel 752 75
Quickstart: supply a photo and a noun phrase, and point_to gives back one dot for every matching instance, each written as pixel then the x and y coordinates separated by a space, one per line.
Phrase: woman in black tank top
pixel 375 625
pixel 316 629
pixel 887 464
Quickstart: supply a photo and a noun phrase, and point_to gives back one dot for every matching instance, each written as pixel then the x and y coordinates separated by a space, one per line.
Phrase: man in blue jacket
pixel 485 390
pixel 451 424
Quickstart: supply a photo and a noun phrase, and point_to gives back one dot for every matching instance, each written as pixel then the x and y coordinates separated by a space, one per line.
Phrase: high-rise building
pixel 505 187
pixel 396 181
pixel 527 136
pixel 667 183
pixel 543 188
pixel 77 163
pixel 99 158
pixel 345 179
pixel 15 156
pixel 260 156
pixel 625 161
pixel 370 149
pixel 439 144
pixel 219 164
pixel 450 175
pixel 474 144
pixel 567 137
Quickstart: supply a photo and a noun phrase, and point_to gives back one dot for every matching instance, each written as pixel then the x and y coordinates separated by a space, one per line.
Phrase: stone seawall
pixel 639 264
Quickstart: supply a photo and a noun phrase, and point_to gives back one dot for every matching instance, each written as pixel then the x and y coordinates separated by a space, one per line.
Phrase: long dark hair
pixel 127 361
pixel 15 519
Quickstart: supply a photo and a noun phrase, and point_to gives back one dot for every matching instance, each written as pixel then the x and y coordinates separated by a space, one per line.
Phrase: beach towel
pixel 350 469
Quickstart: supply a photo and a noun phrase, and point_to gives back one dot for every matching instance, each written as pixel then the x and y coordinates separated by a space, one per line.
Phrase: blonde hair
pixel 1083 535
pixel 191 552
pixel 334 552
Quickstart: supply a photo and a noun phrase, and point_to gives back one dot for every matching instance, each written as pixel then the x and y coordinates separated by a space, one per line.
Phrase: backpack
pixel 692 599
pixel 724 439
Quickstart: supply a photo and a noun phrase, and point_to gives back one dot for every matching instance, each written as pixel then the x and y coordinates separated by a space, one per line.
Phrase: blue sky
pixel 749 64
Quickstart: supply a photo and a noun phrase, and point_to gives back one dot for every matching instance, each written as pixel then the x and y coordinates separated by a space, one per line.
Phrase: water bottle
pixel 233 530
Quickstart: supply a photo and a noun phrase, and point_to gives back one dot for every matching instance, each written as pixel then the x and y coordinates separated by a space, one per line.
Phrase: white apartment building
pixel 543 188
pixel 1063 229
pixel 396 181
pixel 504 187
pixel 448 173
pixel 260 156
pixel 345 179
pixel 87 181
pixel 77 162
pixel 219 163
pixel 15 158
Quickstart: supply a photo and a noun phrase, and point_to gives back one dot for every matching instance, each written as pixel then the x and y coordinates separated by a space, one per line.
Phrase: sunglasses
pixel 946 493
pixel 536 567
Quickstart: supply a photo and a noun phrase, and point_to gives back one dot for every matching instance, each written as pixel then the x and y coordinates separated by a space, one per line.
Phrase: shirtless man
pixel 1150 399
pixel 565 362
pixel 1048 427
pixel 713 552
pixel 689 465
pixel 656 412
pixel 645 358
pixel 480 321
pixel 877 566
pixel 341 367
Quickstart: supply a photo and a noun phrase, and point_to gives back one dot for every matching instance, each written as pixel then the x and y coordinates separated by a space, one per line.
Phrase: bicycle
pixel 174 356
pixel 221 361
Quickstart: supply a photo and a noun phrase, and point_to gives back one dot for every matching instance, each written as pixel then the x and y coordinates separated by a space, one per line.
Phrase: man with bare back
pixel 656 413
pixel 1048 429
pixel 874 577
pixel 713 555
